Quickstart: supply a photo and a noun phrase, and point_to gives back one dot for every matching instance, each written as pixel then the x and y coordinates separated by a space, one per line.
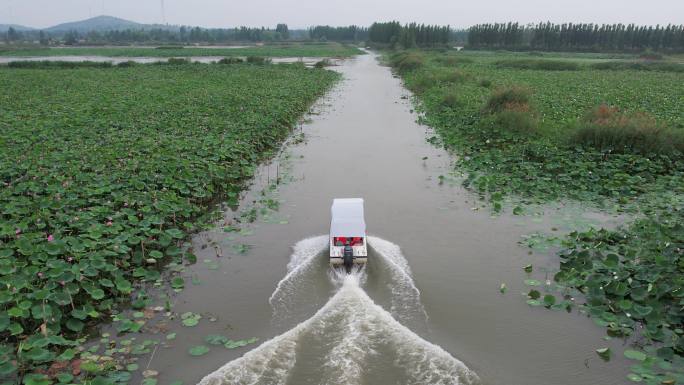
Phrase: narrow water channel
pixel 428 307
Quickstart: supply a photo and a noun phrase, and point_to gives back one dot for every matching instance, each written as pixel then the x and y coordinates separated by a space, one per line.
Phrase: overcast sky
pixel 303 13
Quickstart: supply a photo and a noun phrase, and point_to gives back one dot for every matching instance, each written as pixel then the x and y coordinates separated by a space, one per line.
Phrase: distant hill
pixel 99 24
pixel 20 28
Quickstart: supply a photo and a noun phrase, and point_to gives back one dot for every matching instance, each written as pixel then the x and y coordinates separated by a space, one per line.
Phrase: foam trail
pixel 301 275
pixel 354 328
pixel 302 260
pixel 405 303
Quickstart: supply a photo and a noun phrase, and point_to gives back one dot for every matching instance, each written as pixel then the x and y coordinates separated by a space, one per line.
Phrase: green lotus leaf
pixel 214 339
pixel 604 353
pixel 635 355
pixel 36 379
pixel 199 350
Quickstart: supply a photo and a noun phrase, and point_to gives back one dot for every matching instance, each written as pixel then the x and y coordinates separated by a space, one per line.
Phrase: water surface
pixel 364 142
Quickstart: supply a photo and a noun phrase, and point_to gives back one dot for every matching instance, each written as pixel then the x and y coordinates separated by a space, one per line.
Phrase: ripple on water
pixel 350 333
pixel 355 329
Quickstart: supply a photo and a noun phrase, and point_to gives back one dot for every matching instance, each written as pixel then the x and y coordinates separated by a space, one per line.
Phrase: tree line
pixel 158 35
pixel 217 35
pixel 511 36
pixel 577 37
pixel 184 34
pixel 409 35
pixel 328 33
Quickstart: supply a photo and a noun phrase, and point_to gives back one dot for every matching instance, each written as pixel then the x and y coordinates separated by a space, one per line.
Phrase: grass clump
pixel 230 60
pixel 405 62
pixel 451 99
pixel 651 55
pixel 260 60
pixel 178 61
pixel 638 66
pixel 323 63
pixel 453 76
pixel 608 129
pixel 508 111
pixel 126 64
pixel 516 121
pixel 45 64
pixel 539 64
pixel 423 81
pixel 486 83
pixel 508 98
pixel 452 60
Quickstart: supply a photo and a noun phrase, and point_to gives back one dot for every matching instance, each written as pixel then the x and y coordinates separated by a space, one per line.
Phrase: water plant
pixel 407 61
pixel 539 64
pixel 625 158
pixel 640 66
pixel 608 129
pixel 104 172
pixel 508 98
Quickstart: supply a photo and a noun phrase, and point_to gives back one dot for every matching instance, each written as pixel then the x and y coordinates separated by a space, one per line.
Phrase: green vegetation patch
pixel 284 50
pixel 639 66
pixel 562 159
pixel 539 64
pixel 609 138
pixel 610 130
pixel 104 173
pixel 58 64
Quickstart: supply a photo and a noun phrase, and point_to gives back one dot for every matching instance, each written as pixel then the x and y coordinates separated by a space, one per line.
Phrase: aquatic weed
pixel 105 173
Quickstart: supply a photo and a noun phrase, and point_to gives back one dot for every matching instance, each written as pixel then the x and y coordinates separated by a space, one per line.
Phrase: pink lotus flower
pixel 17 231
pixel 50 238
pixel 109 223
pixel 40 274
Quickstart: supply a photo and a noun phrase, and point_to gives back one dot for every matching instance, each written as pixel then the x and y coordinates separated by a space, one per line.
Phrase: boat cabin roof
pixel 347 218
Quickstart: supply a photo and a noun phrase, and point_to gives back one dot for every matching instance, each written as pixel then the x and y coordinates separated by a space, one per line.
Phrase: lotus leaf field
pixel 610 136
pixel 105 172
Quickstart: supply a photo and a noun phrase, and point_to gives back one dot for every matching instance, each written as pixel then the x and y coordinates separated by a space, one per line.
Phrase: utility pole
pixel 163 12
